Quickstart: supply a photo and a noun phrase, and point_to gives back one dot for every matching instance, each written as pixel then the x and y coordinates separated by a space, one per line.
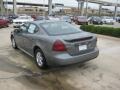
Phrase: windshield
pixel 97 18
pixel 59 28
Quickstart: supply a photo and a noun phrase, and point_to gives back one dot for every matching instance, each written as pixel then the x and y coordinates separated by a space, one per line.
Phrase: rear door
pixel 29 38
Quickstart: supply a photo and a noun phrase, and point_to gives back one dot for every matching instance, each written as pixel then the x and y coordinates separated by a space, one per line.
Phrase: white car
pixel 53 18
pixel 108 20
pixel 66 19
pixel 21 20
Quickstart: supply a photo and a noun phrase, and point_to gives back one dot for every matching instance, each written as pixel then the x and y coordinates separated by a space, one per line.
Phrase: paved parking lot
pixel 19 72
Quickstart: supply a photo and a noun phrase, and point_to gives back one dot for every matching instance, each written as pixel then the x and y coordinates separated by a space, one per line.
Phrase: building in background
pixel 32 10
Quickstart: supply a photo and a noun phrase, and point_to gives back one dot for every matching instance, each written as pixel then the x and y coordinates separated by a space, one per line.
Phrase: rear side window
pixel 32 28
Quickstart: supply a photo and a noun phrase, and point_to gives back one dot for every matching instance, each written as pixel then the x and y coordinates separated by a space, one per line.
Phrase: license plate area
pixel 82 47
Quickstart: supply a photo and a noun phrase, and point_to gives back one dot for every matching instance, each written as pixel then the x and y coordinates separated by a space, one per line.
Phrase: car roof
pixel 45 21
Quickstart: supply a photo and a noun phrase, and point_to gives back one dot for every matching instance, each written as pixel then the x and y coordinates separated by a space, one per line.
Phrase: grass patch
pixel 110 31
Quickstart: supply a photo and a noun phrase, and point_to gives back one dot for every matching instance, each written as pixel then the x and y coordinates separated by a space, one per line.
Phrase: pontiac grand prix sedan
pixel 54 43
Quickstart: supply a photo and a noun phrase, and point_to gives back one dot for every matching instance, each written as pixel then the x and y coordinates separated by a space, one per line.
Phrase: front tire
pixel 40 59
pixel 13 43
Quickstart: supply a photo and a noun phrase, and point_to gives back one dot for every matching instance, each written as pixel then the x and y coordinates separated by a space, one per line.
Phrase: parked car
pixel 40 18
pixel 74 18
pixel 71 17
pixel 66 19
pixel 52 18
pixel 118 20
pixel 11 17
pixel 34 17
pixel 5 18
pixel 108 20
pixel 95 20
pixel 81 20
pixel 3 23
pixel 21 20
pixel 55 43
pixel 46 18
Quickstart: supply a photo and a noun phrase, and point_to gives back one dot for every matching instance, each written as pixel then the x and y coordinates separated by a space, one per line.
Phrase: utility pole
pixel 1 7
pixel 81 6
pixel 86 8
pixel 7 7
pixel 49 7
pixel 115 12
pixel 14 7
pixel 44 7
pixel 100 10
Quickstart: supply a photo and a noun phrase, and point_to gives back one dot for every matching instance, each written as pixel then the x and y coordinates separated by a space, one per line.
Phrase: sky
pixel 72 3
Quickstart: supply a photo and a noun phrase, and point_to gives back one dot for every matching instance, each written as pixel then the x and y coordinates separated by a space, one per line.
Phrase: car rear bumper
pixel 81 23
pixel 66 59
pixel 108 22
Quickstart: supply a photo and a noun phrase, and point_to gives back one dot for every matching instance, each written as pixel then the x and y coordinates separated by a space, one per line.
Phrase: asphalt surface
pixel 19 72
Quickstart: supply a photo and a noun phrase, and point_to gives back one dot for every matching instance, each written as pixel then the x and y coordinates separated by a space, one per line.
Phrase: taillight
pixel 59 46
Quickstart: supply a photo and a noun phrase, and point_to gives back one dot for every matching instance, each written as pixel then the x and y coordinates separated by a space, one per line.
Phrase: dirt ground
pixel 19 72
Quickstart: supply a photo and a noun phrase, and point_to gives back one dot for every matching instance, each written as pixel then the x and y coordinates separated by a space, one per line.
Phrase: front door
pixel 19 36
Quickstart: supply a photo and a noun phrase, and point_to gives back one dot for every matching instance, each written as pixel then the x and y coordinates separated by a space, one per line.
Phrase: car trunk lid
pixel 79 43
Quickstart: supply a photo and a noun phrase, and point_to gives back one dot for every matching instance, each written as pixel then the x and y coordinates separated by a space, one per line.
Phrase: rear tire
pixel 40 59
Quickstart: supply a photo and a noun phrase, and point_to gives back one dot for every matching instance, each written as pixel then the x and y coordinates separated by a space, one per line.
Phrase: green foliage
pixel 110 31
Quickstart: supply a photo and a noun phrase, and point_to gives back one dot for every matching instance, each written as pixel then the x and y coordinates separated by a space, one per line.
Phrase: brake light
pixel 59 46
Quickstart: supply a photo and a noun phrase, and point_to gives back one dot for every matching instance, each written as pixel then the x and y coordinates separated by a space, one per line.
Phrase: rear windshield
pixel 97 18
pixel 59 28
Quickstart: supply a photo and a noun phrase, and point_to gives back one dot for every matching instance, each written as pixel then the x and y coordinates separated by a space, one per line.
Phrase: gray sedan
pixel 54 43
